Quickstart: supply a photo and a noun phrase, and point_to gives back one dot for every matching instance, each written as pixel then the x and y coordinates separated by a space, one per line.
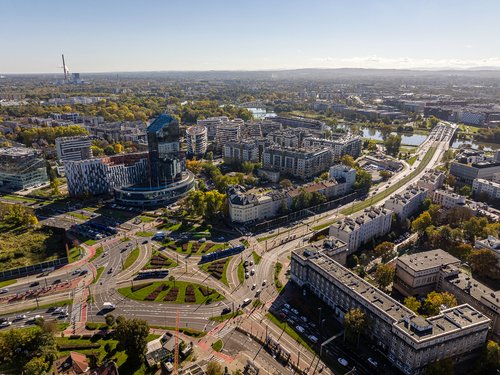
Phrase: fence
pixel 15 273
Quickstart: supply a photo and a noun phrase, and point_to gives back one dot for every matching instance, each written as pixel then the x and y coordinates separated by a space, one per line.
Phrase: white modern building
pixel 448 199
pixel 490 188
pixel 73 148
pixel 348 144
pixel 21 168
pixel 407 203
pixel 360 228
pixel 341 172
pixel 197 140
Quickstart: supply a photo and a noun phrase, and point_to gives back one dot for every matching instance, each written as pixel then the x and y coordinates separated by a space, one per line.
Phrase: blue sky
pixel 125 35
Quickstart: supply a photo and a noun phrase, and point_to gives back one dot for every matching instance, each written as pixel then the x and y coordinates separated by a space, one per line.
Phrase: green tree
pixel 421 223
pixel 214 203
pixel 247 167
pixel 450 180
pixel 363 180
pixel 412 303
pixel 465 190
pixel 490 360
pixel 434 300
pixel 483 261
pixel 54 185
pixel 355 322
pixel 285 183
pixel 384 275
pixel 209 156
pixel 110 320
pixel 392 144
pixel 132 336
pixel 214 368
pixel 348 160
pixel 385 174
pixel 324 176
pixel 385 250
pixel 36 366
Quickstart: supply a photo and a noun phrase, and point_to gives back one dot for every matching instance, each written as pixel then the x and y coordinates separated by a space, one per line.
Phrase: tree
pixel 450 180
pixel 384 275
pixel 285 183
pixel 421 223
pixel 109 150
pixel 195 203
pixel 36 366
pixel 412 303
pixel 385 250
pixel 465 190
pixel 363 179
pixel 435 300
pixel 385 174
pixel 490 360
pixel 348 160
pixel 392 144
pixel 209 156
pixel 355 322
pixel 317 198
pixel 214 203
pixel 97 151
pixel 461 251
pixel 110 320
pixel 247 167
pixel 118 147
pixel 441 367
pixel 324 176
pixel 132 336
pixel 483 261
pixel 54 185
pixel 32 221
pixel 214 368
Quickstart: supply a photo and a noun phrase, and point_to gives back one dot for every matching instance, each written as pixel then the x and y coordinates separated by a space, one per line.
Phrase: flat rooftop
pixel 476 289
pixel 427 260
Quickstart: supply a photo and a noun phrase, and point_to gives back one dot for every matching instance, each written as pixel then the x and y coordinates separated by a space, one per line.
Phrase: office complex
pixel 301 163
pixel 362 227
pixel 472 164
pixel 73 148
pixel 21 168
pixel 407 203
pixel 100 176
pixel 197 140
pixel 409 341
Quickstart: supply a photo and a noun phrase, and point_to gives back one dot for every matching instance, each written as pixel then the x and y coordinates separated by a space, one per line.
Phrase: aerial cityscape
pixel 268 188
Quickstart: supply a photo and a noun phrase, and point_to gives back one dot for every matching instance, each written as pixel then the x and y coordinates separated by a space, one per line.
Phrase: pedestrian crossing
pixel 223 332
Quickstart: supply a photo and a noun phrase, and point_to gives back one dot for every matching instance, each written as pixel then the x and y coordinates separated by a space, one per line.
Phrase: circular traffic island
pixel 172 291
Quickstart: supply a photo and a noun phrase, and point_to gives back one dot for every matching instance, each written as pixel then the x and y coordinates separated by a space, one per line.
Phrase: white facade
pixel 431 180
pixel 73 148
pixel 342 172
pixel 197 140
pixel 490 188
pixel 229 131
pixel 407 203
pixel 447 199
pixel 371 223
pixel 211 124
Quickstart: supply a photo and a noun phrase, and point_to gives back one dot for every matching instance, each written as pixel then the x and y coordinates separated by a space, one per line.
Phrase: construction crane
pixel 176 349
pixel 65 69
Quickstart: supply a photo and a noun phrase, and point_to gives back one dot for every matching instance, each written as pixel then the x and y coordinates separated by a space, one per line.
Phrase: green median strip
pixel 131 258
pixel 98 274
pixel 289 330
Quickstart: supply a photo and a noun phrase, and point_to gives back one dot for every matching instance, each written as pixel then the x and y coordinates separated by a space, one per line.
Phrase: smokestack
pixel 64 68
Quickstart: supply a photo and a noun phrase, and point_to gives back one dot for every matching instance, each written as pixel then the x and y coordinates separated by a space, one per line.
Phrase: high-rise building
pixel 21 168
pixel 228 131
pixel 163 146
pixel 73 148
pixel 211 124
pixel 197 140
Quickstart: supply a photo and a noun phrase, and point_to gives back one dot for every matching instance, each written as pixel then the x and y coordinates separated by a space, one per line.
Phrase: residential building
pixel 197 140
pixel 409 341
pixel 260 128
pixel 484 187
pixel 347 144
pixel 284 138
pixel 21 168
pixel 405 204
pixel 448 199
pixel 250 205
pixel 329 188
pixel 73 364
pixel 467 173
pixel 343 173
pixel 431 180
pixel 417 274
pixel 102 175
pixel 73 148
pixel 300 122
pixel 362 227
pixel 239 152
pixel 211 123
pixel 300 163
pixel 228 131
pixel 330 246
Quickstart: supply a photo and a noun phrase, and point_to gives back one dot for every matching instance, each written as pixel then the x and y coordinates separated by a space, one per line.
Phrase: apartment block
pixel 407 203
pixel 73 148
pixel 284 138
pixel 345 145
pixel 21 168
pixel 363 227
pixel 100 176
pixel 448 199
pixel 431 180
pixel 485 187
pixel 301 163
pixel 409 341
pixel 300 122
pixel 239 152
pixel 211 123
pixel 228 131
pixel 197 140
pixel 418 274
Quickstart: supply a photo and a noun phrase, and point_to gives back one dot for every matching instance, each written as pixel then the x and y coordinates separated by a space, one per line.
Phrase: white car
pixel 252 272
pixel 300 329
pixel 254 286
pixel 373 362
pixel 4 290
pixel 7 323
pixel 343 362
pixel 264 282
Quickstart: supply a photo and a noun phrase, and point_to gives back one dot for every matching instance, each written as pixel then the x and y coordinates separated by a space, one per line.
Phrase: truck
pixel 108 306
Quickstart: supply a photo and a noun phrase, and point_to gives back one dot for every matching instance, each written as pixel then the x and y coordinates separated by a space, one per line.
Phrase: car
pixel 286 306
pixel 226 310
pixel 254 286
pixel 291 321
pixel 202 240
pixel 257 293
pixel 313 338
pixel 304 319
pixel 247 275
pixel 4 290
pixel 343 362
pixel 75 272
pixel 252 272
pixel 246 301
pixel 57 281
pixel 300 329
pixel 245 263
pixel 7 323
pixel 20 317
pixel 372 362
pixel 285 311
pixel 295 311
pixel 264 282
pixel 35 283
pixel 110 270
pixel 145 242
pixel 251 262
pixel 84 272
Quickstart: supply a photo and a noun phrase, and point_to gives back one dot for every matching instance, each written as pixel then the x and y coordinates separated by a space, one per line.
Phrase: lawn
pixel 224 317
pixel 218 269
pixel 65 302
pixel 149 288
pixel 131 258
pixel 79 216
pixel 23 246
pixel 18 198
pixel 283 325
pixel 385 193
pixel 218 345
pixel 256 257
pixel 262 239
pixel 98 253
pixel 144 234
pixel 413 159
pixel 146 219
pixel 324 225
pixel 75 253
pixel 5 283
pixel 98 274
pixel 241 273
pixel 277 269
pixel 245 242
pixel 193 247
